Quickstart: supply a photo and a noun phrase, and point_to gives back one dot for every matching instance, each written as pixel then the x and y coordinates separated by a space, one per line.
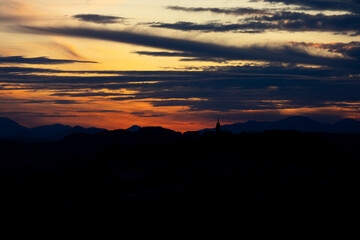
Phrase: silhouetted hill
pixel 134 128
pixel 11 130
pixel 347 126
pixel 56 131
pixel 300 123
pixel 143 135
pixel 297 123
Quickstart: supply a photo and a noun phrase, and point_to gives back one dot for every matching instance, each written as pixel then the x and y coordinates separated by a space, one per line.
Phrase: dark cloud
pixel 147 114
pixel 16 74
pixel 335 5
pixel 281 21
pixel 101 19
pixel 351 49
pixel 283 53
pixel 38 60
pixel 59 101
pixel 187 56
pixel 88 94
pixel 99 111
pixel 215 26
pixel 230 11
pixel 14 70
pixel 280 18
pixel 204 59
pixel 164 54
pixel 37 115
pixel 274 69
pixel 235 88
pixel 294 21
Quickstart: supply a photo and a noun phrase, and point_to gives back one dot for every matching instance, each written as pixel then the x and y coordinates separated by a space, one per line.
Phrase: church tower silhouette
pixel 218 127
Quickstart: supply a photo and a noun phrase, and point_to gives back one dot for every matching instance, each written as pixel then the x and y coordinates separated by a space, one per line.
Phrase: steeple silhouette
pixel 218 127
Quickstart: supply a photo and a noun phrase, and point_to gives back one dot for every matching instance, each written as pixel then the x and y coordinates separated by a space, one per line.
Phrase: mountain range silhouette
pixel 11 130
pixel 296 123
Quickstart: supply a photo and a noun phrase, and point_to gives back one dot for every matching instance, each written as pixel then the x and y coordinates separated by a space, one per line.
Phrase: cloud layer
pixel 335 5
pixel 280 53
pixel 261 20
pixel 238 88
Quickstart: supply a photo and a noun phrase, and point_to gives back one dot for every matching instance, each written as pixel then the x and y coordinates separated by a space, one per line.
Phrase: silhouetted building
pixel 218 127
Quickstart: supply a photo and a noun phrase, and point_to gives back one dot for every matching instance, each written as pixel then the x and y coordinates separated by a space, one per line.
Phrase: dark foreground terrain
pixel 158 169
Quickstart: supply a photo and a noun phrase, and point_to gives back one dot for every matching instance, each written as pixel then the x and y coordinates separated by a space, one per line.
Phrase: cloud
pixel 21 70
pixel 281 18
pixel 280 21
pixel 12 18
pixel 66 48
pixel 294 21
pixel 278 69
pixel 59 101
pixel 187 56
pixel 236 88
pixel 215 26
pixel 181 74
pixel 38 60
pixel 100 19
pixel 164 54
pixel 37 115
pixel 148 114
pixel 351 49
pixel 100 111
pixel 278 53
pixel 230 11
pixel 17 11
pixel 335 5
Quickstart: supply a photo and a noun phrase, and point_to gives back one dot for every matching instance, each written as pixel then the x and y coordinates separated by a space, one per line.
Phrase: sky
pixel 178 64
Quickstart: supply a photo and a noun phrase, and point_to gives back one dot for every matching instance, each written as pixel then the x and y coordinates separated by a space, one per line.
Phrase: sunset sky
pixel 179 64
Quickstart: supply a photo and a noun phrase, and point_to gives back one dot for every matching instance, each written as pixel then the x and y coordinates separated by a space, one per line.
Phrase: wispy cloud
pixel 230 11
pixel 100 19
pixel 38 60
pixel 65 48
pixel 18 11
pixel 277 53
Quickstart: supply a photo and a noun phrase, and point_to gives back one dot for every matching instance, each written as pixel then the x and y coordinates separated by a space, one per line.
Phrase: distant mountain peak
pixel 347 125
pixel 9 129
pixel 348 120
pixel 7 122
pixel 134 128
